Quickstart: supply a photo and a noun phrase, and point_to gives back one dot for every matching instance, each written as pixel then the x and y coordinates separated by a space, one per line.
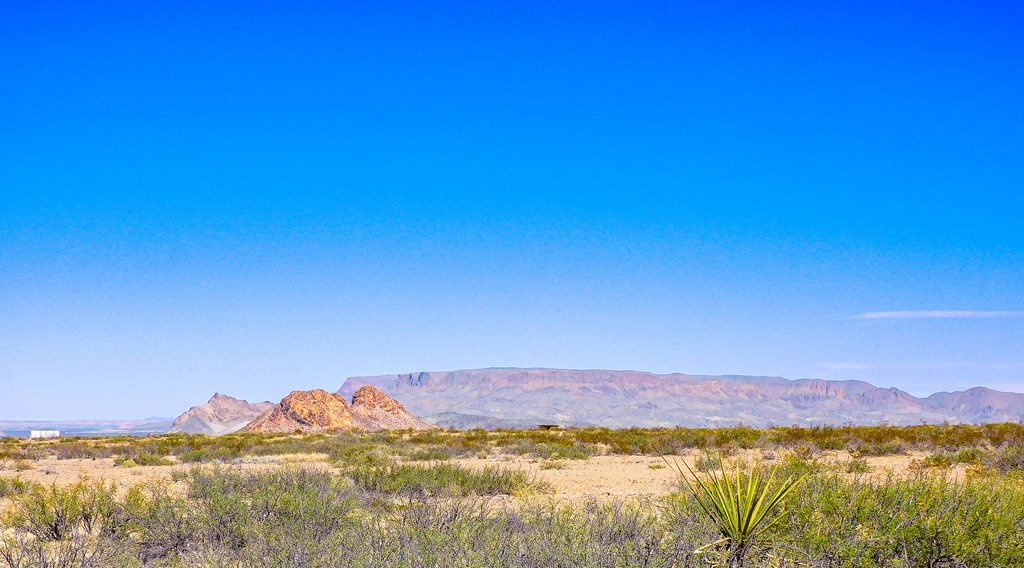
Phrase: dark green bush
pixel 1010 458
pixel 875 449
pixel 13 486
pixel 909 522
pixel 430 454
pixel 53 513
pixel 437 480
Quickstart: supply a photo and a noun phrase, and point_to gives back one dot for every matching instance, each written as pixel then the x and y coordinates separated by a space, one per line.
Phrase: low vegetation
pixel 406 480
pixel 398 499
pixel 566 444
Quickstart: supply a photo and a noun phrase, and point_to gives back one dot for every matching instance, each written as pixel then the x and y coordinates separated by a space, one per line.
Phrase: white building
pixel 44 434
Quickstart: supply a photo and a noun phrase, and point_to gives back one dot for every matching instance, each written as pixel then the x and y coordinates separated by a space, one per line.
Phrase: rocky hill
pixel 318 410
pixel 372 410
pixel 524 397
pixel 306 411
pixel 220 415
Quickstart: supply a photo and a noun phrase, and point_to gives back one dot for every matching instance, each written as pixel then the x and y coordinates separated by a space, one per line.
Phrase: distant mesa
pixel 524 398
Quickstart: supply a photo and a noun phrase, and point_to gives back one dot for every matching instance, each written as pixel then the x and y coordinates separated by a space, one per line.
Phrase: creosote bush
pixel 922 521
pixel 53 513
pixel 13 486
pixel 439 479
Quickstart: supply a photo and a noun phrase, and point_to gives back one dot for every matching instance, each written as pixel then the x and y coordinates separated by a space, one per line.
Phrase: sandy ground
pixel 597 477
pixel 63 472
pixel 617 477
pixel 601 477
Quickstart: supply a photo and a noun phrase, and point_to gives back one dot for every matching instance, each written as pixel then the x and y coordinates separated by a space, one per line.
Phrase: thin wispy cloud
pixel 975 365
pixel 939 314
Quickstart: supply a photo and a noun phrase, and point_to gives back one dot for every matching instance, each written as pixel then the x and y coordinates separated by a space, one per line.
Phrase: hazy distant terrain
pixel 21 428
pixel 509 397
pixel 524 398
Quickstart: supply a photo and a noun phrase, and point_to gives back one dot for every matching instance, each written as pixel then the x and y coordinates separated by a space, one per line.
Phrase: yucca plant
pixel 743 505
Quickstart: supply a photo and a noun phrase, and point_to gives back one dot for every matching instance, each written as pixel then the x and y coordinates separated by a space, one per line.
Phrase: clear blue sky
pixel 255 197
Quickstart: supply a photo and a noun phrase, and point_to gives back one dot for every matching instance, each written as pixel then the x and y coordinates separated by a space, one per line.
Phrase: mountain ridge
pixel 500 396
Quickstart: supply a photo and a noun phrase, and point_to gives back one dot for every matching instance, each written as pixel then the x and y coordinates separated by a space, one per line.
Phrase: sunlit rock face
pixel 318 410
pixel 374 410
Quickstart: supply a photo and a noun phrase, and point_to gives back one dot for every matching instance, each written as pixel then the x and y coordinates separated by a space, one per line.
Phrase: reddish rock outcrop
pixel 373 410
pixel 307 411
pixel 318 410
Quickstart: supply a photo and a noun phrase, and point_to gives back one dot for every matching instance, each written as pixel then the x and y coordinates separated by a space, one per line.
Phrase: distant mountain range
pixel 524 398
pixel 516 398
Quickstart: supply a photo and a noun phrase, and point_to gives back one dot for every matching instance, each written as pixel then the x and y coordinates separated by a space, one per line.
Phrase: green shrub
pixel 939 460
pixel 552 464
pixel 156 524
pixel 876 449
pixel 1009 458
pixel 1004 434
pixel 194 456
pixel 923 521
pixel 707 461
pixel 13 486
pixel 428 454
pixel 793 464
pixel 856 466
pixel 151 459
pixel 52 513
pixel 79 449
pixel 943 460
pixel 145 459
pixel 970 455
pixel 437 480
